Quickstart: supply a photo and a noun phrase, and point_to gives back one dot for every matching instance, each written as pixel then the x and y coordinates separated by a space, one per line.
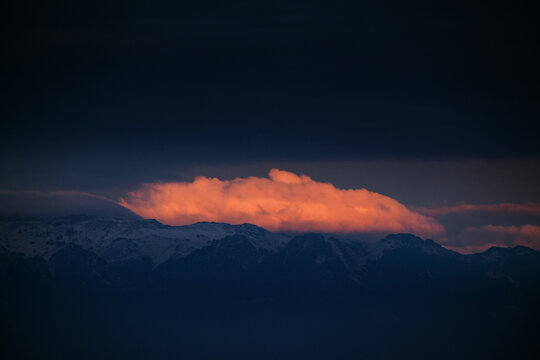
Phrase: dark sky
pixel 302 80
pixel 100 96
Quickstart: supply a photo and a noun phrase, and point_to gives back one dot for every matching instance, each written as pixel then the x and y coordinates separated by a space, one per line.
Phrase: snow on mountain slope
pixel 108 236
pixel 116 239
pixel 122 241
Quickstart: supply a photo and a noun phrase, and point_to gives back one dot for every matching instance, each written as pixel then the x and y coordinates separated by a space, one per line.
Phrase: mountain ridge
pixel 208 244
pixel 110 229
pixel 222 291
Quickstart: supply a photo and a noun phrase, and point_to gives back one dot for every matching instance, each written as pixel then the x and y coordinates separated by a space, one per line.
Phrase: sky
pixel 431 104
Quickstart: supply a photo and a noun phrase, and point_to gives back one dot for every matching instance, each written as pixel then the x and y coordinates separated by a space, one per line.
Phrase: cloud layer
pixel 525 209
pixel 59 203
pixel 282 202
pixel 477 239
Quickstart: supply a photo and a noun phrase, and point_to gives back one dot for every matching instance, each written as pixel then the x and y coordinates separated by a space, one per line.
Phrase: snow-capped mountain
pixel 120 239
pixel 117 240
pixel 107 286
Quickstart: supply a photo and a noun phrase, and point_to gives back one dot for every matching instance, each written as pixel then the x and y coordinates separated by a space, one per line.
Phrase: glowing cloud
pixel 283 202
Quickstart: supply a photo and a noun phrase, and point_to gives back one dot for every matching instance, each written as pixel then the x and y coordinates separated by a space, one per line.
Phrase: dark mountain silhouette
pixel 88 287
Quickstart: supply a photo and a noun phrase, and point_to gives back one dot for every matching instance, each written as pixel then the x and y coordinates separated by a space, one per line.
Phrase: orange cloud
pixel 476 239
pixel 525 209
pixel 283 202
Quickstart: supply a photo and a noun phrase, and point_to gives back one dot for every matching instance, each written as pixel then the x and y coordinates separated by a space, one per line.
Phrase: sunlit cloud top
pixel 282 202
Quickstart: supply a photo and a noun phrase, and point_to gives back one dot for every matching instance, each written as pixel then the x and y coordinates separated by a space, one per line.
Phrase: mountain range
pixel 94 287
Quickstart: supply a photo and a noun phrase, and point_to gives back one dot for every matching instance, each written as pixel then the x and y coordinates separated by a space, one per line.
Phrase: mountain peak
pixel 403 240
